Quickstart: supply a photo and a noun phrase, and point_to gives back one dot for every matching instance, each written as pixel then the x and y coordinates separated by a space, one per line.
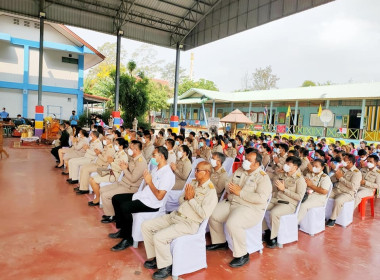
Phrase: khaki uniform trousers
pixel 74 166
pixel 106 194
pixel 276 211
pixel 362 192
pixel 238 218
pixel 311 202
pixel 158 233
pixel 85 174
pixel 340 198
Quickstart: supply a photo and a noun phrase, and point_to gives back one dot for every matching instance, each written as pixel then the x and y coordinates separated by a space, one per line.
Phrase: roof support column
pixel 232 106
pixel 295 115
pixel 362 115
pixel 327 104
pixel 41 51
pixel 249 110
pixel 204 113
pixel 117 78
pixel 176 78
pixel 213 108
pixel 270 114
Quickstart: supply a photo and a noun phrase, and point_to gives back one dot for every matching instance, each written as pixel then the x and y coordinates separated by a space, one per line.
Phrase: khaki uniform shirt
pixel 205 153
pixel 371 177
pixel 172 158
pixel 119 157
pixel 90 153
pixel 160 141
pixel 231 152
pixel 219 179
pixel 350 182
pixel 321 180
pixel 217 149
pixel 182 172
pixel 304 163
pixel 202 205
pixel 266 159
pixel 256 188
pixel 133 175
pixel 108 151
pixel 295 188
pixel 194 145
pixel 148 151
pixel 281 162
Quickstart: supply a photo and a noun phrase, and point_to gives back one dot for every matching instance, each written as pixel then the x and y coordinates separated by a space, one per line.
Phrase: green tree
pixel 308 83
pixel 201 84
pixel 158 95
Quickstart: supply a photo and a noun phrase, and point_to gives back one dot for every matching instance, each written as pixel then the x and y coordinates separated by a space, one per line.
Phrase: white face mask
pixel 316 170
pixel 179 154
pixel 214 142
pixel 185 143
pixel 130 152
pixel 344 163
pixel 90 138
pixel 229 145
pixel 143 140
pixel 260 150
pixel 286 168
pixel 104 142
pixel 213 162
pixel 370 165
pixel 116 148
pixel 246 165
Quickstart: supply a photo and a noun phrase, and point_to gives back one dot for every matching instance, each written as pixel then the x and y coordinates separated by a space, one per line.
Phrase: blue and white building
pixel 65 58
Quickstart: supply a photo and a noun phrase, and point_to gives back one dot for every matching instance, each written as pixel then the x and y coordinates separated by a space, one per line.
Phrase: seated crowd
pixel 136 171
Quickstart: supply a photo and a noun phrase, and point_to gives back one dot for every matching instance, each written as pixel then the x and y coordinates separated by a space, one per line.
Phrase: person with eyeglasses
pixel 196 204
pixel 248 192
pixel 370 179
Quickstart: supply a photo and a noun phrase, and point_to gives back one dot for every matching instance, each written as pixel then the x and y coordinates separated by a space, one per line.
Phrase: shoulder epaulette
pixel 324 175
pixel 356 170
pixel 299 175
pixel 378 171
pixel 262 172
pixel 140 159
pixel 211 186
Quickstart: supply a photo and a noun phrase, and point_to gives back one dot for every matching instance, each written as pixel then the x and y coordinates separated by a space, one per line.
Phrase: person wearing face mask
pixel 217 145
pixel 189 142
pixel 370 179
pixel 348 181
pixel 290 192
pixel 113 162
pixel 204 151
pixel 132 177
pixel 278 161
pixel 196 205
pixel 149 199
pixel 194 144
pixel 265 150
pixel 239 149
pixel 247 194
pixel 90 155
pixel 361 161
pixel 219 175
pixel 75 151
pixel 169 144
pixel 182 167
pixel 318 185
pixel 178 143
pixel 148 147
pixel 231 149
pixel 100 162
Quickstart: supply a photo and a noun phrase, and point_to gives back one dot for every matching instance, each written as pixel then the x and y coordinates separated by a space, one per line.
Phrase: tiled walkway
pixel 49 232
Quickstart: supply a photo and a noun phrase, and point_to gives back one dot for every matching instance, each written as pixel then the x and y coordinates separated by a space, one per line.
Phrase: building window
pixel 26 23
pixel 219 113
pixel 195 114
pixel 16 21
pixel 69 60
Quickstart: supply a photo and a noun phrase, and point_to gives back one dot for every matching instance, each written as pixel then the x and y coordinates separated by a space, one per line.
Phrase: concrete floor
pixel 49 232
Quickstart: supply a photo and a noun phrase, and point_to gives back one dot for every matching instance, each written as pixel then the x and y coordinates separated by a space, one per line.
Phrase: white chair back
pixel 227 164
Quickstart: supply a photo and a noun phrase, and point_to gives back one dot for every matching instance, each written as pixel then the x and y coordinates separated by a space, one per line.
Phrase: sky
pixel 337 42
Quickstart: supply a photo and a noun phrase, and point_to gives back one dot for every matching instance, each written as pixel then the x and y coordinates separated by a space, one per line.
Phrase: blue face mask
pixel 154 162
pixel 200 144
pixel 177 143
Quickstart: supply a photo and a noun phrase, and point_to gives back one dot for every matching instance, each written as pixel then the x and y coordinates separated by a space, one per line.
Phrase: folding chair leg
pixel 135 244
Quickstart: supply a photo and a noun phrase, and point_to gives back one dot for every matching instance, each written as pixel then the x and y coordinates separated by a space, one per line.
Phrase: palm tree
pixel 131 66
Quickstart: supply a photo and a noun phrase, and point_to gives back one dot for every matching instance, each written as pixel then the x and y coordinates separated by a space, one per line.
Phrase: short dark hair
pixel 375 157
pixel 192 133
pixel 117 132
pixel 320 152
pixel 304 152
pixel 147 134
pixel 362 152
pixel 152 130
pixel 84 132
pixel 161 133
pixel 259 157
pixel 186 149
pixel 163 151
pixel 170 142
pixel 294 160
pixel 222 157
pixel 295 153
pixel 284 146
pixel 95 133
pixel 351 158
pixel 137 143
pixel 122 142
pixel 180 137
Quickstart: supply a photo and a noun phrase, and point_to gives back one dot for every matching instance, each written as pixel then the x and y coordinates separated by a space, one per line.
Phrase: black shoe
pixel 68 180
pixel 59 166
pixel 108 220
pixel 266 236
pixel 152 264
pixel 105 216
pixel 330 223
pixel 122 245
pixel 72 182
pixel 220 246
pixel 93 204
pixel 76 189
pixel 115 235
pixel 163 273
pixel 81 192
pixel 272 243
pixel 65 173
pixel 238 262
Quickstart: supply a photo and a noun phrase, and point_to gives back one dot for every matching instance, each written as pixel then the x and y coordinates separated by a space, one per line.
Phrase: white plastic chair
pixel 254 240
pixel 345 217
pixel 227 164
pixel 139 218
pixel 189 252
pixel 173 196
pixel 314 220
pixel 288 229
